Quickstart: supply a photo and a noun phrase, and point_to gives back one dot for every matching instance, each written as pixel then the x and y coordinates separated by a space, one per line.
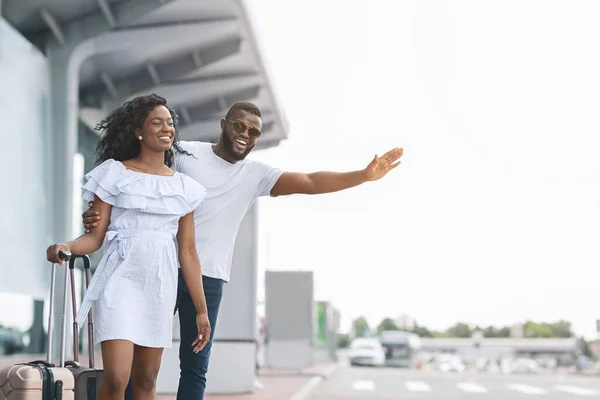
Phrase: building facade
pixel 64 64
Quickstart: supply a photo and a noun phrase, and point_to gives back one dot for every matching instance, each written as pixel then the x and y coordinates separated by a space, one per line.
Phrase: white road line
pixel 576 390
pixel 363 385
pixel 307 389
pixel 471 387
pixel 526 389
pixel 417 386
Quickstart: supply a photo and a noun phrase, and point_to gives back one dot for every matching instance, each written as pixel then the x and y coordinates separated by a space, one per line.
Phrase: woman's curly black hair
pixel 119 140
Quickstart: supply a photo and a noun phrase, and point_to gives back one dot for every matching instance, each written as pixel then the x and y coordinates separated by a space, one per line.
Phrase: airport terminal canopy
pixel 202 55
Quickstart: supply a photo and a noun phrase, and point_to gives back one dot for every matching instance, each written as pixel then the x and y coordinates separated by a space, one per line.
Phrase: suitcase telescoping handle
pixel 64 255
pixel 88 275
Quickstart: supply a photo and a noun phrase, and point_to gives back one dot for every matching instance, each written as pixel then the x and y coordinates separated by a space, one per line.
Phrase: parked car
pixel 10 343
pixel 449 363
pixel 525 366
pixel 366 351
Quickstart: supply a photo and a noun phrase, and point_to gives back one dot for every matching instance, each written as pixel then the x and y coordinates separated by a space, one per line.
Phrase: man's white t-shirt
pixel 231 190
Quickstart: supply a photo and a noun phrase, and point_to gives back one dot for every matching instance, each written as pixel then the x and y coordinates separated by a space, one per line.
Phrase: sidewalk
pixel 275 388
pixel 278 384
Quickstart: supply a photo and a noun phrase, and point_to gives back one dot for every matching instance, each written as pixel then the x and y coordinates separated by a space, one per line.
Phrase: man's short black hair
pixel 244 106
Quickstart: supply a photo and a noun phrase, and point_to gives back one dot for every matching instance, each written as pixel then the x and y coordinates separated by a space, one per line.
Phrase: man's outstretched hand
pixel 380 166
pixel 90 218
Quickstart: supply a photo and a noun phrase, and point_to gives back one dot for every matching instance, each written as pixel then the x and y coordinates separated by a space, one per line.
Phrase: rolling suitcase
pixel 41 380
pixel 87 380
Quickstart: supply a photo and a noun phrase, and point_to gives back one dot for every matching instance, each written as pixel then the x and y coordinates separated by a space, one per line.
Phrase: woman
pixel 135 285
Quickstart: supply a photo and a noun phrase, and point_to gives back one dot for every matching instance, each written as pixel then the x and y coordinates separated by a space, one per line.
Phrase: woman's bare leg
pixel 117 358
pixel 146 364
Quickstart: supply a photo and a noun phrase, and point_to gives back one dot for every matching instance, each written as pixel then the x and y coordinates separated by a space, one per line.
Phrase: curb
pixel 309 387
pixel 329 371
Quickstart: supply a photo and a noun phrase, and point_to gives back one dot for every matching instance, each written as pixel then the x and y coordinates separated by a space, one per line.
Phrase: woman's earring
pixel 139 137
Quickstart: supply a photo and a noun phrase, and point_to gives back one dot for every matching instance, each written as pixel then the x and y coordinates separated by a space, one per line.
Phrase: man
pixel 233 184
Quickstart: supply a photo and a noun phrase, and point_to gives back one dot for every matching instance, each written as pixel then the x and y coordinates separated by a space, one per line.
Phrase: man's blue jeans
pixel 192 380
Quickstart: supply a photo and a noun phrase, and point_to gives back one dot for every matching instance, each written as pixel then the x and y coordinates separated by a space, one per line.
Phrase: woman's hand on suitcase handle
pixel 53 253
pixel 90 218
pixel 203 325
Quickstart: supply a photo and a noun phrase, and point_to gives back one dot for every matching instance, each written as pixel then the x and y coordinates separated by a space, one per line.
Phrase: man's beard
pixel 229 148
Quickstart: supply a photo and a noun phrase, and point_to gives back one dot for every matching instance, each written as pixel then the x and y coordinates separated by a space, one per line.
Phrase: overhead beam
pixel 96 23
pixel 53 25
pixel 105 8
pixel 185 115
pixel 153 74
pixel 219 50
pixel 205 129
pixel 197 59
pixel 110 87
pixel 120 40
pixel 202 90
pixel 177 67
pixel 222 103
pixel 90 117
pixel 217 107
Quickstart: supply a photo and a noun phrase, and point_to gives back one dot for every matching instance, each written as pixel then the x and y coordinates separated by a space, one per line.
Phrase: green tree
pixel 343 341
pixel 422 331
pixel 491 332
pixel 387 324
pixel 584 345
pixel 360 327
pixel 504 332
pixel 560 329
pixel 534 330
pixel 460 330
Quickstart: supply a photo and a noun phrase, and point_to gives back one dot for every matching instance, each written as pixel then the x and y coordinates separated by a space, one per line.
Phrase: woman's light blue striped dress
pixel 135 284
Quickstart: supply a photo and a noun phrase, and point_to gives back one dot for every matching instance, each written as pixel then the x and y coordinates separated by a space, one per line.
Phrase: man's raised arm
pixel 328 182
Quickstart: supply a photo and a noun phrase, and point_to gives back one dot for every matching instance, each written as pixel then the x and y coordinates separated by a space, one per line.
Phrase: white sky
pixel 494 215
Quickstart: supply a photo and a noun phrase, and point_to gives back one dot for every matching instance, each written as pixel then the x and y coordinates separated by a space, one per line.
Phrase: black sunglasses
pixel 240 127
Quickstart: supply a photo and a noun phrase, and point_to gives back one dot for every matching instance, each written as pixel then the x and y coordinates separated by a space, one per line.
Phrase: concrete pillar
pixel 233 358
pixel 64 103
pixel 36 332
pixel 290 293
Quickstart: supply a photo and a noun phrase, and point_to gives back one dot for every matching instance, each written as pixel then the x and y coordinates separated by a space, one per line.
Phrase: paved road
pixel 401 384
